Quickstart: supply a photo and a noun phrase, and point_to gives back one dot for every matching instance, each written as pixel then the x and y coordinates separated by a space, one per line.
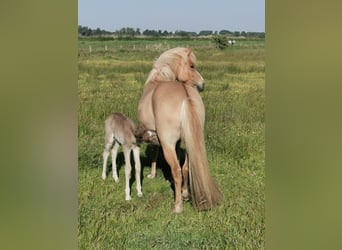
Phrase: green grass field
pixel 111 79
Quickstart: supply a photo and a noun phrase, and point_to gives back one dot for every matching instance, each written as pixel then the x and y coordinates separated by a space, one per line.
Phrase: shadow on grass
pixel 161 162
pixel 146 162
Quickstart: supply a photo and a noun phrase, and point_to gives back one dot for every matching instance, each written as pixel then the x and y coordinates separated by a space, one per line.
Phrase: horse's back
pixel 169 96
pixel 167 103
pixel 168 93
pixel 145 112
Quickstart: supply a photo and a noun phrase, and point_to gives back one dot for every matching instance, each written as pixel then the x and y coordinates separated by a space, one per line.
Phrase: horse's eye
pixel 192 66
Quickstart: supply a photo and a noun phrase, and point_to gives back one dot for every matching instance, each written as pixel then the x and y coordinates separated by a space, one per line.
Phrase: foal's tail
pixel 204 191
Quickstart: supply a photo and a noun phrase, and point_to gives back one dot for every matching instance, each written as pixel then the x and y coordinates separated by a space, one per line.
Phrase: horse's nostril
pixel 200 88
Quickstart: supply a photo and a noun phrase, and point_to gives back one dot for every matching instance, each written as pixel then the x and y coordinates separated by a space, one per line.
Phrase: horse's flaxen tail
pixel 204 191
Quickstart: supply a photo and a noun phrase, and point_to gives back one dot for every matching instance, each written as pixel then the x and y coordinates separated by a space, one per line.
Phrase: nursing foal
pixel 119 130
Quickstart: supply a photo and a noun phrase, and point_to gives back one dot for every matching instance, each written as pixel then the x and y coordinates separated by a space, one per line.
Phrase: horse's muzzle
pixel 200 88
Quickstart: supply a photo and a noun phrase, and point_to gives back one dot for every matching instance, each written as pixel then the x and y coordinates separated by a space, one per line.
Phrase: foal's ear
pixel 189 50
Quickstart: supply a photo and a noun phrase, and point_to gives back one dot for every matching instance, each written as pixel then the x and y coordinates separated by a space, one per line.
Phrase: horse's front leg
pixel 185 170
pixel 154 162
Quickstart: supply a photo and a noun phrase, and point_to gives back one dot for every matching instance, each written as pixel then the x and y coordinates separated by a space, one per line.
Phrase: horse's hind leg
pixel 185 171
pixel 108 144
pixel 114 155
pixel 171 158
pixel 128 169
pixel 136 153
pixel 154 162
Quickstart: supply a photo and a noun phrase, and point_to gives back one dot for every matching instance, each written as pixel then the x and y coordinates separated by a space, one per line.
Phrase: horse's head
pixel 187 72
pixel 177 64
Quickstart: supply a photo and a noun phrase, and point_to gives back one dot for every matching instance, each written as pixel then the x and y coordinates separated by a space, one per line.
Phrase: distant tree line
pixel 85 31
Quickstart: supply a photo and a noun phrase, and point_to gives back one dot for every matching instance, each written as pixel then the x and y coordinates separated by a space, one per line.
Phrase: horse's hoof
pixel 140 194
pixel 177 210
pixel 116 179
pixel 128 198
pixel 185 196
pixel 151 176
pixel 104 176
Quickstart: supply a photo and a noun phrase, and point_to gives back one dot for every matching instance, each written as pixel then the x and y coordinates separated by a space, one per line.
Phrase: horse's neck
pixel 162 74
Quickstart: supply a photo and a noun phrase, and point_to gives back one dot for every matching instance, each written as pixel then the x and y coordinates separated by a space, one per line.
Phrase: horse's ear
pixel 189 51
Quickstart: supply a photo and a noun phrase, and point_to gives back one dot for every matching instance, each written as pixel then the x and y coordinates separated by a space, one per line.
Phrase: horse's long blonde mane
pixel 166 65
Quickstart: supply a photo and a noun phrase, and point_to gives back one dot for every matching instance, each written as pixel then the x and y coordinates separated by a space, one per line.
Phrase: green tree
pixel 205 33
pixel 220 41
pixel 225 32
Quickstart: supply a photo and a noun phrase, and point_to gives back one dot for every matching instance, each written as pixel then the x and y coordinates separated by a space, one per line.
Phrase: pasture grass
pixel 112 80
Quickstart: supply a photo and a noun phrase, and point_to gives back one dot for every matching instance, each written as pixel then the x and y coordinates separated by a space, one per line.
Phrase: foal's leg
pixel 114 155
pixel 185 170
pixel 128 169
pixel 136 153
pixel 171 158
pixel 108 144
pixel 154 162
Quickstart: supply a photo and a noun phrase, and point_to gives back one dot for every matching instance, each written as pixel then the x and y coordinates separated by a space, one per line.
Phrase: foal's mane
pixel 166 65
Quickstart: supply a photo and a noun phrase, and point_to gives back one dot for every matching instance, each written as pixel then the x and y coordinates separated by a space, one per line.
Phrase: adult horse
pixel 171 109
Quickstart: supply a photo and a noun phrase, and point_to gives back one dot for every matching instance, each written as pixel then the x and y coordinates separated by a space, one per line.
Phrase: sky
pixel 172 15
